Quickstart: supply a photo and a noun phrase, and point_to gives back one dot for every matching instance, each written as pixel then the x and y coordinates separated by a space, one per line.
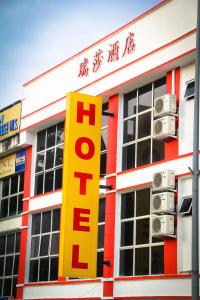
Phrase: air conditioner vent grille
pixel 158 179
pixel 156 225
pixel 156 202
pixel 158 127
pixel 159 105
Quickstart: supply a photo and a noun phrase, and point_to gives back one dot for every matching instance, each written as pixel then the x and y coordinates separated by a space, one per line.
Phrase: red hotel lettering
pixel 78 218
pixel 90 113
pixel 75 259
pixel 78 148
pixel 83 180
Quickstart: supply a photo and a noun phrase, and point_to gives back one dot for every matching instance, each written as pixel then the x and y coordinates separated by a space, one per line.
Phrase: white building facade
pixel 144 246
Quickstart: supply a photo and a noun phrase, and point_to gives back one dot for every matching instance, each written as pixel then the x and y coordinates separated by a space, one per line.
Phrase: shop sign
pixel 13 163
pixel 81 169
pixel 10 121
pixel 114 52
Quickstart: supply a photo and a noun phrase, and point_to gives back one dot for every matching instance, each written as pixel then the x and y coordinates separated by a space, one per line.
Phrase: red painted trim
pixel 99 41
pixel 117 86
pixel 24 233
pixel 77 281
pixel 109 236
pixel 45 208
pixel 137 186
pixel 154 277
pixel 45 194
pixel 93 298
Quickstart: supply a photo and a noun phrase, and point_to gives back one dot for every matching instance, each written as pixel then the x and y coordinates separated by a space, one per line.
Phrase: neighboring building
pixel 144 247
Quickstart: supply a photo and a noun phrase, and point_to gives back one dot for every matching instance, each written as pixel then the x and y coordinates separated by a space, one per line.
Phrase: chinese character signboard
pixel 79 214
pixel 13 163
pixel 10 121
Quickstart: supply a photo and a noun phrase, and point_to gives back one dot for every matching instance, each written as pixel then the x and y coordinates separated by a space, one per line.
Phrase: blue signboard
pixel 20 161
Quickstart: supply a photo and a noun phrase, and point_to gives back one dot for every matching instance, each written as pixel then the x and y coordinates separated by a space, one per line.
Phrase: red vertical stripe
pixel 109 239
pixel 24 232
pixel 171 152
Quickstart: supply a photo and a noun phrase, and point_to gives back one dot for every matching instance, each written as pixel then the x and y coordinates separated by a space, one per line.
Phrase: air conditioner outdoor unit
pixel 165 105
pixel 162 202
pixel 164 127
pixel 164 180
pixel 162 225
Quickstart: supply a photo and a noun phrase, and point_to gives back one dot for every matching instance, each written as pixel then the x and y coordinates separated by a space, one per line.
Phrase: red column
pixel 171 152
pixel 24 231
pixel 109 239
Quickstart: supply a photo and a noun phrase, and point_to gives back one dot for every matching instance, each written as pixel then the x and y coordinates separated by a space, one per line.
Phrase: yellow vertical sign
pixel 81 168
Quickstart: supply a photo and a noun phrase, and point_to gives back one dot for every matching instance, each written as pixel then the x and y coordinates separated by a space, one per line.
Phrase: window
pixel 49 159
pixel 104 137
pixel 139 148
pixel 186 206
pixel 11 195
pixel 9 259
pixel 140 254
pixel 190 90
pixel 44 246
pixel 101 225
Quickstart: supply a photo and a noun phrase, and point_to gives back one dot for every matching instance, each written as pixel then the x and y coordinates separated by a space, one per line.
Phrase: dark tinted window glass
pixel 58 178
pixel 60 133
pixel 20 203
pixel 10 243
pixel 17 242
pixel 39 162
pixel 33 274
pixel 51 135
pixel 16 264
pixel 14 184
pixel 39 184
pixel 160 87
pixel 130 104
pixel 128 157
pixel 48 186
pixel 9 265
pixel 46 221
pixel 21 183
pixel 102 203
pixel 144 125
pixel 1 265
pixel 56 220
pixel 2 244
pixel 143 152
pixel 186 206
pixel 104 137
pixel 50 159
pixel 7 286
pixel 158 150
pixel 143 203
pixel 54 243
pixel 44 246
pixel 54 268
pixel 103 163
pixel 129 130
pixel 44 269
pixel 35 246
pixel 142 231
pixel 104 118
pixel 145 97
pixel 100 264
pixel 126 262
pixel 141 261
pixel 59 155
pixel 127 233
pixel 127 206
pixel 14 287
pixel 5 188
pixel 157 260
pixel 100 236
pixel 41 140
pixel 1 286
pixel 4 208
pixel 36 219
pixel 190 90
pixel 13 206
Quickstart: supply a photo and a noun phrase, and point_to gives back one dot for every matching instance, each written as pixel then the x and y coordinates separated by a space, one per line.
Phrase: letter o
pixel 78 148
